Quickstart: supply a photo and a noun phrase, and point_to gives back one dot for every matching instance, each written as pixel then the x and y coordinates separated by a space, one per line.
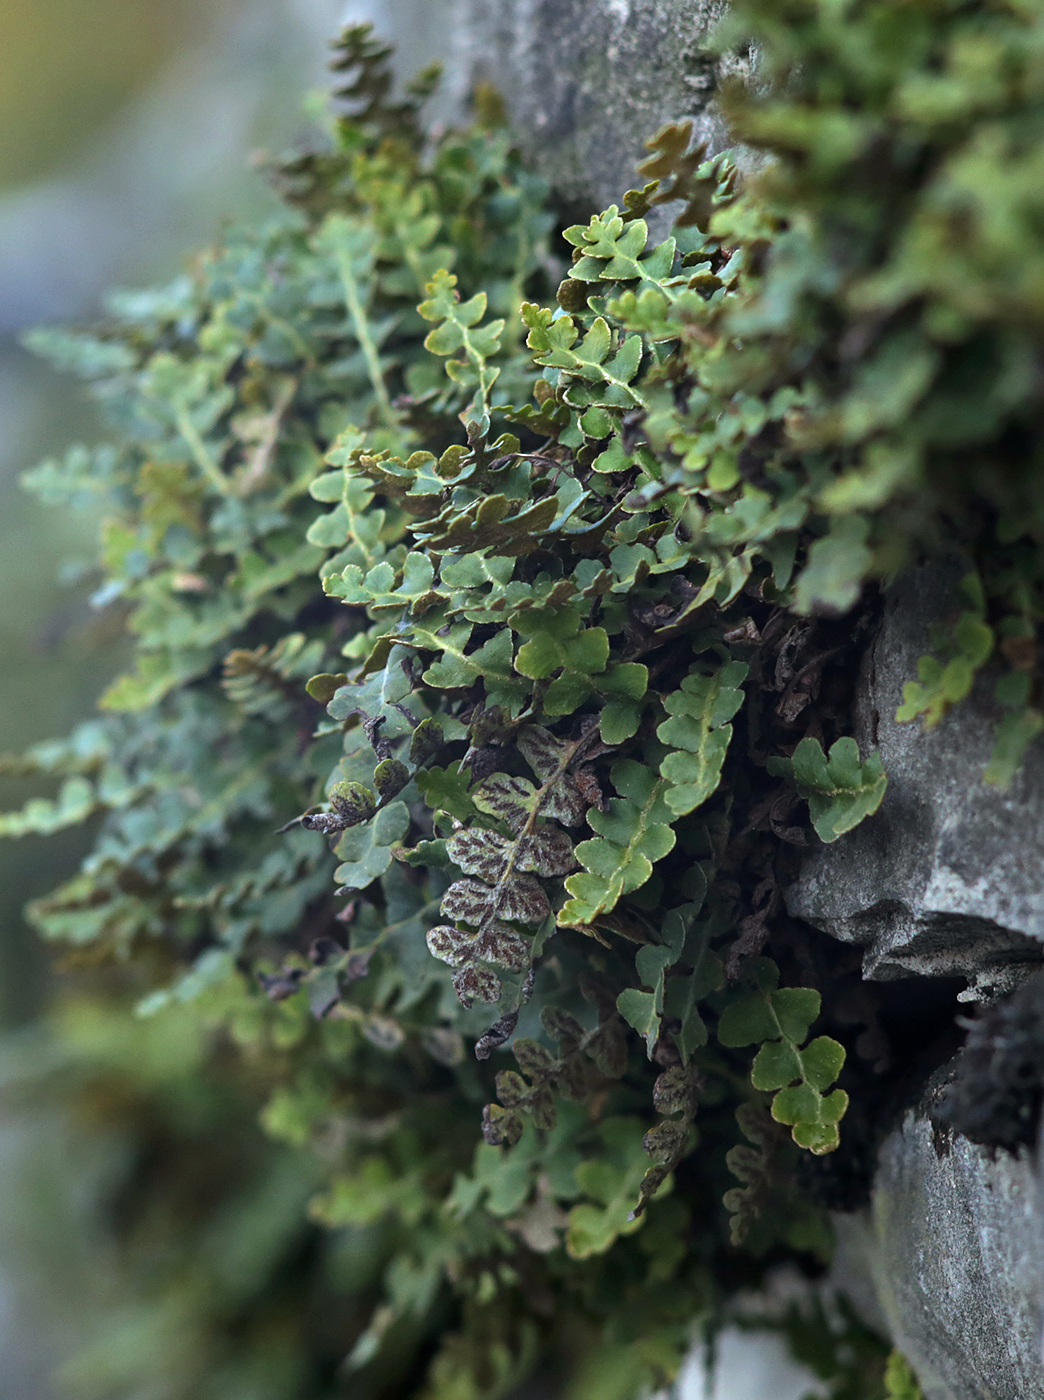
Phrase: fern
pixel 487 647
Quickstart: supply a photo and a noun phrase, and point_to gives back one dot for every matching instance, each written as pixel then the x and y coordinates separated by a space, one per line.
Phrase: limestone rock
pixel 956 1248
pixel 586 82
pixel 948 878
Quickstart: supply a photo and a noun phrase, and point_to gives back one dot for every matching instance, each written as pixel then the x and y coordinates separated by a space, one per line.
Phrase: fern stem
pixel 201 453
pixel 365 339
pixel 516 327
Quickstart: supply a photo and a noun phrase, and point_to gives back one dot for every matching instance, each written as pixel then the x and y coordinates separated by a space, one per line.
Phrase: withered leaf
pixel 427 740
pixel 390 777
pixel 522 899
pixel 609 1048
pixel 534 1059
pixel 562 1027
pixel 358 965
pixel 541 750
pixel 673 1091
pixel 282 985
pixel 512 1089
pixel 488 725
pixel 480 852
pixel 352 802
pixel 500 943
pixel 468 900
pixel 546 851
pixel 451 945
pixel 547 755
pixel 326 823
pixel 542 1107
pixel 651 1183
pixel 473 984
pixel 501 1127
pixel 498 1033
pixel 578 1078
pixel 372 726
pixel 511 799
pixel 589 788
pixel 664 1142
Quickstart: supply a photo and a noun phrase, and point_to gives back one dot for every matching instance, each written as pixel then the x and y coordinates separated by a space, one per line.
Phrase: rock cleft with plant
pixel 496 603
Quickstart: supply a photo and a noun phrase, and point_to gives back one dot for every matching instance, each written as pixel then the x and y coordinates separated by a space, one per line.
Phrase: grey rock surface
pixel 948 878
pixel 956 1249
pixel 586 82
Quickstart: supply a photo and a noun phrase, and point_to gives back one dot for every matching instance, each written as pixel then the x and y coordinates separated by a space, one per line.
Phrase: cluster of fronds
pixel 573 693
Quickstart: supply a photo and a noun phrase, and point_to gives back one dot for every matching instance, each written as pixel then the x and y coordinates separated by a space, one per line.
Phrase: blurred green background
pixel 126 131
pixel 127 127
pixel 68 65
pixel 66 69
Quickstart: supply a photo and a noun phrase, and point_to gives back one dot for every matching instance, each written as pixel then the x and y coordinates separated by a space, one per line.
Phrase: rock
pixel 948 878
pixel 956 1249
pixel 945 880
pixel 586 82
pixel 954 1240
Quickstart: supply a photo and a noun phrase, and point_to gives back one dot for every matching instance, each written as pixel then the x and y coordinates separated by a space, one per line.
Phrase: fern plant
pixel 494 655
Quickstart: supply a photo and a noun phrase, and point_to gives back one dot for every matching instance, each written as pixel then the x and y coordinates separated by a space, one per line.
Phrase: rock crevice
pixel 948 878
